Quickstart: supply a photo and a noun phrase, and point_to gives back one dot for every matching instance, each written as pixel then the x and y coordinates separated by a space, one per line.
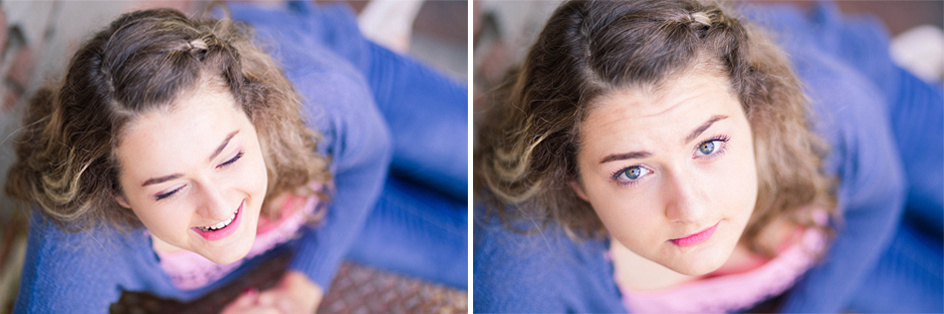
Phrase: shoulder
pixel 542 271
pixel 851 114
pixel 58 264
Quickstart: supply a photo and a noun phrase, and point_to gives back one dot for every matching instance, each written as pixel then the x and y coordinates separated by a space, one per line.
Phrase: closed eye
pixel 231 160
pixel 168 194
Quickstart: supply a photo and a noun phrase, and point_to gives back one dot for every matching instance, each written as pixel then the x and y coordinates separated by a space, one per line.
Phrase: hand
pixel 294 293
pixel 248 302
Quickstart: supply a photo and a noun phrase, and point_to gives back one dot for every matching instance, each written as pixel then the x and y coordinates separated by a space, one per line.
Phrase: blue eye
pixel 707 148
pixel 712 147
pixel 631 174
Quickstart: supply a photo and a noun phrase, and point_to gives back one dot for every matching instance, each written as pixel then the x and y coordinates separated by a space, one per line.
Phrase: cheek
pixel 254 176
pixel 150 213
pixel 740 177
pixel 160 224
pixel 627 214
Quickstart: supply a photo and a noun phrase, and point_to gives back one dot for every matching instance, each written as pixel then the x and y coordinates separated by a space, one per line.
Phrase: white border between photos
pixel 469 285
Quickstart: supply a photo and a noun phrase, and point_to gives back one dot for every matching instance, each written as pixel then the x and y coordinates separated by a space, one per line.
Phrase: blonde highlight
pixel 526 154
pixel 66 166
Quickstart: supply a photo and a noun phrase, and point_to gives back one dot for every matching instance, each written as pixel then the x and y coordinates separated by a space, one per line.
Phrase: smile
pixel 222 229
pixel 696 238
pixel 220 225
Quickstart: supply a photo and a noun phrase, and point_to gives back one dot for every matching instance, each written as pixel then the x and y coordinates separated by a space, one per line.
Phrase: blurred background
pixel 37 38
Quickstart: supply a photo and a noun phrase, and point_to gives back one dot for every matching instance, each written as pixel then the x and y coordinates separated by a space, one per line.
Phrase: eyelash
pixel 224 164
pixel 717 153
pixel 616 176
pixel 232 160
pixel 719 150
pixel 166 195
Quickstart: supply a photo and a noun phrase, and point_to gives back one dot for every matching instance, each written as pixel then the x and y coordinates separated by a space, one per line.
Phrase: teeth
pixel 220 225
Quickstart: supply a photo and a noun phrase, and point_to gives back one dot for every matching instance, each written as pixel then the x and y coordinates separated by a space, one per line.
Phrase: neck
pixel 160 246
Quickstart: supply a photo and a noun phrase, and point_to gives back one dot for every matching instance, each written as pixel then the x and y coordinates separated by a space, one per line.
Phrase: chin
pixel 240 246
pixel 700 264
pixel 230 255
pixel 234 251
pixel 697 268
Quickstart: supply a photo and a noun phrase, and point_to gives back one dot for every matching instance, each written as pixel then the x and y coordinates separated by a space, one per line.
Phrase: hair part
pixel 528 140
pixel 145 60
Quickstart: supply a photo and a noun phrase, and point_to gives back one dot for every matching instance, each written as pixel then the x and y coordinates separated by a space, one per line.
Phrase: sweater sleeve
pixel 544 272
pixel 509 280
pixel 358 142
pixel 65 273
pixel 341 107
pixel 871 191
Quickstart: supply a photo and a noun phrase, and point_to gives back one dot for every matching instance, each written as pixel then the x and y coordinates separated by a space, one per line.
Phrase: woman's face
pixel 194 175
pixel 670 171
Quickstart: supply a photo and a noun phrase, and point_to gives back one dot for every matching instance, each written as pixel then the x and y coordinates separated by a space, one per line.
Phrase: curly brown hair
pixel 528 139
pixel 144 60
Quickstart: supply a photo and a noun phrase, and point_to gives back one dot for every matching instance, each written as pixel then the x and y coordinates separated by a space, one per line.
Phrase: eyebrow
pixel 178 175
pixel 704 126
pixel 161 179
pixel 624 156
pixel 223 145
pixel 643 154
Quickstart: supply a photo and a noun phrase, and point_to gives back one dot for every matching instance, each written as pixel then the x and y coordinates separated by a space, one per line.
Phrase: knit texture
pixel 85 272
pixel 846 71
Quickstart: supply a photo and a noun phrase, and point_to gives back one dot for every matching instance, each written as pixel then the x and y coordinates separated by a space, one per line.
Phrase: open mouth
pixel 222 229
pixel 220 225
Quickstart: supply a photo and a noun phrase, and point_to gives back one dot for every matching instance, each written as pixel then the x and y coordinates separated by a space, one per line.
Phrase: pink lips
pixel 696 238
pixel 226 231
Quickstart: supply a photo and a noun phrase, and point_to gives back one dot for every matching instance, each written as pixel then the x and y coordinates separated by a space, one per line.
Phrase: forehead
pixel 663 112
pixel 183 133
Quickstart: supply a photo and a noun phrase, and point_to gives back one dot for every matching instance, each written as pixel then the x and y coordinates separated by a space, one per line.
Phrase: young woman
pixel 176 154
pixel 662 156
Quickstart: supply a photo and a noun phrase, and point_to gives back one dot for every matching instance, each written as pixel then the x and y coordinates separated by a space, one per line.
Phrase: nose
pixel 213 206
pixel 685 200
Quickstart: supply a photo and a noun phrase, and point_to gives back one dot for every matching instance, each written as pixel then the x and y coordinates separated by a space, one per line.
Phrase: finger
pixel 279 299
pixel 268 297
pixel 237 306
pixel 262 310
pixel 247 298
pixel 257 309
pixel 285 305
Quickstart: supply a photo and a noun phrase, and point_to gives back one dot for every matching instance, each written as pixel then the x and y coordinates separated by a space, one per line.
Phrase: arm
pixel 341 107
pixel 404 90
pixel 357 140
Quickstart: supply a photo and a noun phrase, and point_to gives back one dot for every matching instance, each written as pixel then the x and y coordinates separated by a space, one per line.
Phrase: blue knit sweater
pixel 849 76
pixel 324 55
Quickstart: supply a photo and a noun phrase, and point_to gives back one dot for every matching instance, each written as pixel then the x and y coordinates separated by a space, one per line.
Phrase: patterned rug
pixel 356 289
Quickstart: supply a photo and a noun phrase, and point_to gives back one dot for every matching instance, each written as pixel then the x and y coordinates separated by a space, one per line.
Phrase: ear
pixel 578 188
pixel 121 201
